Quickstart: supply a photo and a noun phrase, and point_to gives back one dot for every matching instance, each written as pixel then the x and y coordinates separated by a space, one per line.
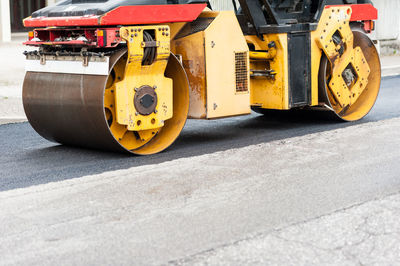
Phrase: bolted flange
pixel 145 100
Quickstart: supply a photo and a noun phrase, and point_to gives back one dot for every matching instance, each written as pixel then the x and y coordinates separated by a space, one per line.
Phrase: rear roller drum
pixel 79 110
pixel 364 103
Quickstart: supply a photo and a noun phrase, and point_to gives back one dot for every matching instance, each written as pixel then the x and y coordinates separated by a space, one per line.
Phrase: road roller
pixel 125 75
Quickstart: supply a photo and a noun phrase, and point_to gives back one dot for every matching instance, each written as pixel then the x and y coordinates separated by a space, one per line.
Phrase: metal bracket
pixel 42 59
pixel 150 44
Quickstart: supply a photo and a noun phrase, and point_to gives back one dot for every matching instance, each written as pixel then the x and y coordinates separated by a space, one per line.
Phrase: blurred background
pixel 12 12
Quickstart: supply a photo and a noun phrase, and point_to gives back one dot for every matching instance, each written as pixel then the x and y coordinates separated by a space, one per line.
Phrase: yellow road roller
pixel 124 75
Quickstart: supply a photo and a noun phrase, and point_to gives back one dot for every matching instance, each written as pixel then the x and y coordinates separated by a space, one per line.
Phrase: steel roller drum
pixel 69 109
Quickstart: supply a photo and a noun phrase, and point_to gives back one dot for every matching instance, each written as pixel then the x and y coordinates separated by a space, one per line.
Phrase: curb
pixel 389 71
pixel 12 120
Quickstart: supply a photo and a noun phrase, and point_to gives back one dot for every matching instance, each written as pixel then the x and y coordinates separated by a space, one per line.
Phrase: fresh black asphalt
pixel 28 160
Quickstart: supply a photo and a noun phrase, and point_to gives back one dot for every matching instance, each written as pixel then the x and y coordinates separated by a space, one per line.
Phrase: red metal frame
pixel 96 37
pixel 41 22
pixel 361 12
pixel 125 15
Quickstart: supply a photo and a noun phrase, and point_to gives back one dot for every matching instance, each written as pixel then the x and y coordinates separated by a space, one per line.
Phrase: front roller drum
pixel 76 110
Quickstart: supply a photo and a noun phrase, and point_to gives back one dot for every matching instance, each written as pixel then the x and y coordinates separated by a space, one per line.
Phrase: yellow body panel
pixel 222 43
pixel 209 59
pixel 138 75
pixel 267 92
pixel 191 48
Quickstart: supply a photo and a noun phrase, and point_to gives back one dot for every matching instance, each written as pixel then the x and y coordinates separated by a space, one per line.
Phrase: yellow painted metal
pixel 137 75
pixel 145 142
pixel 191 48
pixel 172 127
pixel 224 43
pixel 346 96
pixel 335 20
pixel 175 28
pixel 349 101
pixel 270 93
pixel 316 54
pixel 209 58
pixel 263 55
pixel 130 140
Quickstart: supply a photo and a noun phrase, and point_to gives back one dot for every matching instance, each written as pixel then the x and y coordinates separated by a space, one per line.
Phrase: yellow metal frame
pixel 270 93
pixel 333 20
pixel 137 75
pixel 347 96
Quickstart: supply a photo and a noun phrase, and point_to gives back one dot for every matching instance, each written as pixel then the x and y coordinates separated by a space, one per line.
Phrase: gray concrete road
pixel 161 213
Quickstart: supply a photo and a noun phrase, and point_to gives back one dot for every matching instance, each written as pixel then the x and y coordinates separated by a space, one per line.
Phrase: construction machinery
pixel 124 75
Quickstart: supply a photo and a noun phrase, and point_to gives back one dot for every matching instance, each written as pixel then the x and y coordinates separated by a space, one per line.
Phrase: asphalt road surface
pixel 27 159
pixel 120 209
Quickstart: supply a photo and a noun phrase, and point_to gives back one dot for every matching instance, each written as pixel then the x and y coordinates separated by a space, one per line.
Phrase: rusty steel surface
pixel 145 100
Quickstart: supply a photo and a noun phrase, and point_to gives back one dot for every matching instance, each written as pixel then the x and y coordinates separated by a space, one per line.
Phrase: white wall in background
pixel 388 24
pixel 50 2
pixel 5 25
pixel 222 4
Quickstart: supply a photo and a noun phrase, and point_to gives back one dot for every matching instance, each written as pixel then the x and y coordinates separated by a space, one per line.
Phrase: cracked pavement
pixel 367 234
